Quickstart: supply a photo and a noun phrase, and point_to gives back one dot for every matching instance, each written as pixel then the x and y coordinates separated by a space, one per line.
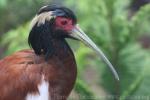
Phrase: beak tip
pixel 117 78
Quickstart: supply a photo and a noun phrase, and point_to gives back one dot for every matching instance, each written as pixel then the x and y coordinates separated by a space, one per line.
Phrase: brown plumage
pixel 48 71
pixel 21 73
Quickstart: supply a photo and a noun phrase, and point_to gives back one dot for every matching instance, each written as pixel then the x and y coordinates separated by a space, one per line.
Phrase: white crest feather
pixel 41 18
pixel 43 7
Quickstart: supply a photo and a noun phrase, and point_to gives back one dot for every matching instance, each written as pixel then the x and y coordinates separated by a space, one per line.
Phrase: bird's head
pixel 56 22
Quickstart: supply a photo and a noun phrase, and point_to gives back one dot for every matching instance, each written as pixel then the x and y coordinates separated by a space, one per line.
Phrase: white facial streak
pixel 41 18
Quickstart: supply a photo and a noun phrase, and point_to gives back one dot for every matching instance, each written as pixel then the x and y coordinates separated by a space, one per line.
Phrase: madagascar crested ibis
pixel 48 72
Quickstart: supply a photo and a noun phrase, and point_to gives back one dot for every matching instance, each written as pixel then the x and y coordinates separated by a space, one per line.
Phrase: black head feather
pixel 41 36
pixel 59 11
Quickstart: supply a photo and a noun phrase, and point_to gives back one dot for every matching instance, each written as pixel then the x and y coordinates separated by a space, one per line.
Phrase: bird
pixel 48 70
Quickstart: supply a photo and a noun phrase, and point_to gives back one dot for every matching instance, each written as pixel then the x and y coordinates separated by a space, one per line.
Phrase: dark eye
pixel 64 22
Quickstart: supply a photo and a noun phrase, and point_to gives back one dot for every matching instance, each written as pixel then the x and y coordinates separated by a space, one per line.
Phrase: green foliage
pixel 16 12
pixel 81 55
pixel 108 24
pixel 83 89
pixel 3 3
pixel 16 39
pixel 141 21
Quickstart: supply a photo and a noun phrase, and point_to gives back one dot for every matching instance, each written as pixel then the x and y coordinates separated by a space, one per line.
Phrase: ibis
pixel 48 70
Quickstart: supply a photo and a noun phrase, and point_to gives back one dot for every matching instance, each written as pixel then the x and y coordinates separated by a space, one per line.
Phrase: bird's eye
pixel 64 22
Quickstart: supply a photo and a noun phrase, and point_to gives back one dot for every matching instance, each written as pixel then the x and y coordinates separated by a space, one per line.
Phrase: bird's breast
pixel 57 77
pixel 60 73
pixel 25 75
pixel 43 91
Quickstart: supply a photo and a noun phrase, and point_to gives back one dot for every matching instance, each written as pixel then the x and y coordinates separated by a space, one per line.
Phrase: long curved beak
pixel 77 33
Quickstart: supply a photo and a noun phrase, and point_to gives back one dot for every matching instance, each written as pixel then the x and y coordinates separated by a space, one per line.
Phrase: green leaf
pixel 83 89
pixel 16 39
pixel 3 3
pixel 140 22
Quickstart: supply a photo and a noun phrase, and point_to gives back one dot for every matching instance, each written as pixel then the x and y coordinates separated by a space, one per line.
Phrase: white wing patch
pixel 43 92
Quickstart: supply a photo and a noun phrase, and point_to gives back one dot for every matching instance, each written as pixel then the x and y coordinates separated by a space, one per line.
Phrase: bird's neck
pixel 64 67
pixel 61 49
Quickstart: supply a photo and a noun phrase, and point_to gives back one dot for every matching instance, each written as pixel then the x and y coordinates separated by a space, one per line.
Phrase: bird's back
pixel 26 76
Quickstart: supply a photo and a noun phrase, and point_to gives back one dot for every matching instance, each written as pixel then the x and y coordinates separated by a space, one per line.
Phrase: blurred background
pixel 121 28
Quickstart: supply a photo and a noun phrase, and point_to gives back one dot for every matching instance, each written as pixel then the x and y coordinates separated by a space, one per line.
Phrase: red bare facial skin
pixel 63 23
